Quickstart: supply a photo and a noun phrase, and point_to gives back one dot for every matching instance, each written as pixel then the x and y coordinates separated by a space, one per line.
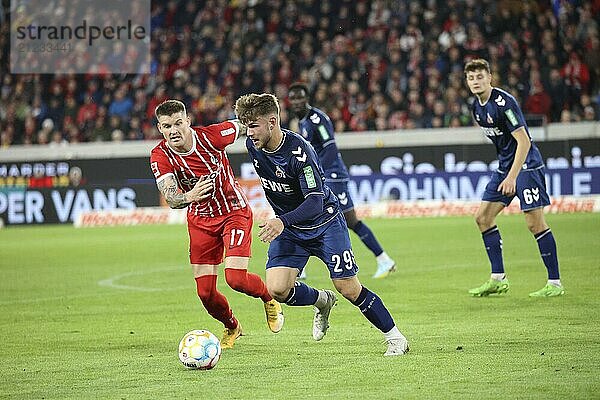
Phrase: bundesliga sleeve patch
pixel 155 170
pixel 227 132
pixel 323 132
pixel 310 177
pixel 511 117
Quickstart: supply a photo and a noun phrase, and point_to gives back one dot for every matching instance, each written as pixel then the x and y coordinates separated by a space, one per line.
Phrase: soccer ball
pixel 199 349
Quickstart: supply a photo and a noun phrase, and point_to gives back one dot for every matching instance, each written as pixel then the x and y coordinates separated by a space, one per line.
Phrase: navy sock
pixel 302 295
pixel 547 246
pixel 366 235
pixel 493 245
pixel 374 310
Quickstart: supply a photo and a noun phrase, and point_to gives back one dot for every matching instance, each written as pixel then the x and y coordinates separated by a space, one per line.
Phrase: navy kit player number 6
pixel 520 173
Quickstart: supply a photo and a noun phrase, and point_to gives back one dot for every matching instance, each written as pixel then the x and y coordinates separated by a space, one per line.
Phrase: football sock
pixel 547 246
pixel 321 299
pixel 383 257
pixel 366 235
pixel 245 282
pixel 302 295
pixel 394 333
pixel 374 310
pixel 493 245
pixel 498 277
pixel 215 303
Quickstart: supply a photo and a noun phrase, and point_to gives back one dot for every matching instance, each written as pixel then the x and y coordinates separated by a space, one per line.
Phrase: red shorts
pixel 211 237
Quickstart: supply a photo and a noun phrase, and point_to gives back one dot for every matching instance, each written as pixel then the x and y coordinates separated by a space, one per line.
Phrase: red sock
pixel 251 284
pixel 215 303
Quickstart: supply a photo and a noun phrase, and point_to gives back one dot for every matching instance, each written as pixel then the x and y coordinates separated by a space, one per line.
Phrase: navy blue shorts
pixel 340 189
pixel 530 189
pixel 332 247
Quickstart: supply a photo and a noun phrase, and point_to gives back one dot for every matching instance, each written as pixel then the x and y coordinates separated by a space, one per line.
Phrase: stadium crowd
pixel 371 65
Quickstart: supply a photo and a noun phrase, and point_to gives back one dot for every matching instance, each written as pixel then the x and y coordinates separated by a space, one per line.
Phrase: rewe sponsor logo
pixel 275 186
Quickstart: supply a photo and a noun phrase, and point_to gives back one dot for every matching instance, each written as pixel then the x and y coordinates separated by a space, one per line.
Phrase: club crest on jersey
pixel 489 119
pixel 214 160
pixel 279 172
pixel 500 101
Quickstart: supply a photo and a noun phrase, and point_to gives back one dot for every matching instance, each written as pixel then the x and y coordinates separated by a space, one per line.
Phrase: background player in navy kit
pixel 316 127
pixel 308 222
pixel 520 173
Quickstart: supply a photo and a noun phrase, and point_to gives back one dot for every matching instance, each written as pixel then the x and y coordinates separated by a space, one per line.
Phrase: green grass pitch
pixel 97 313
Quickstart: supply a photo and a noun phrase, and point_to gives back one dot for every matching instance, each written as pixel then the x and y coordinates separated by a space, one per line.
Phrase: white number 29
pixel 347 257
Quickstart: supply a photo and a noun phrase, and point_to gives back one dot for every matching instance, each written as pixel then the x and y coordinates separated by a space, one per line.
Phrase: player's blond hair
pixel 169 107
pixel 251 107
pixel 477 65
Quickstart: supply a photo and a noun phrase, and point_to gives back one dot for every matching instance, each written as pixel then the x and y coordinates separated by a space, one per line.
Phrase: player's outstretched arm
pixel 201 191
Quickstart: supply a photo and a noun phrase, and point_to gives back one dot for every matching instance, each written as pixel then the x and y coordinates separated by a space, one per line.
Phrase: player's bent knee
pixel 349 288
pixel 483 221
pixel 279 292
pixel 533 228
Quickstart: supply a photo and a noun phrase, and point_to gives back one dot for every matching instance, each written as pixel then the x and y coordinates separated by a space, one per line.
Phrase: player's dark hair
pixel 251 107
pixel 299 86
pixel 169 107
pixel 477 65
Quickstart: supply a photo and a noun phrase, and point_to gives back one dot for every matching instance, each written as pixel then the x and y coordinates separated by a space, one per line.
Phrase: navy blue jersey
pixel 288 175
pixel 499 117
pixel 316 127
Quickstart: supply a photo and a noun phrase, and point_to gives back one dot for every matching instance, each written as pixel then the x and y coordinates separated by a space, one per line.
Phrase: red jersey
pixel 206 157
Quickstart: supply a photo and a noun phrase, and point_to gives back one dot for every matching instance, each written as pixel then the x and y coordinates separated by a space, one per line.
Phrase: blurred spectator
pixel 117 135
pixel 43 134
pixel 121 104
pixel 87 111
pixel 538 101
pixel 577 77
pixel 557 90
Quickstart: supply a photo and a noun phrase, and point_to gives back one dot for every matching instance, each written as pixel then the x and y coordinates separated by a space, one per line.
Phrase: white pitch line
pixel 111 282
pixel 42 299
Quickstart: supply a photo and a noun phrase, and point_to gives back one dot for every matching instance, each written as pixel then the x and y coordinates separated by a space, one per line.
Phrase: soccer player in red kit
pixel 192 170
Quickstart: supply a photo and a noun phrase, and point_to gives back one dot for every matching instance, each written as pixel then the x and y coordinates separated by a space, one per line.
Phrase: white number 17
pixel 235 232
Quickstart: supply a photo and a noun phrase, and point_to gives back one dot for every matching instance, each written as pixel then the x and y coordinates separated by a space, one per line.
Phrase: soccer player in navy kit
pixel 316 127
pixel 520 173
pixel 308 222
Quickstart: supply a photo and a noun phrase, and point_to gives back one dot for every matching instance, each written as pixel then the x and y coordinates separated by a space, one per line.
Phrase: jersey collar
pixel 483 104
pixel 279 146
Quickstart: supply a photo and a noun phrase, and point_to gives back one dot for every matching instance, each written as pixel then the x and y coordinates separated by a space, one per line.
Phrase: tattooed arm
pixel 201 191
